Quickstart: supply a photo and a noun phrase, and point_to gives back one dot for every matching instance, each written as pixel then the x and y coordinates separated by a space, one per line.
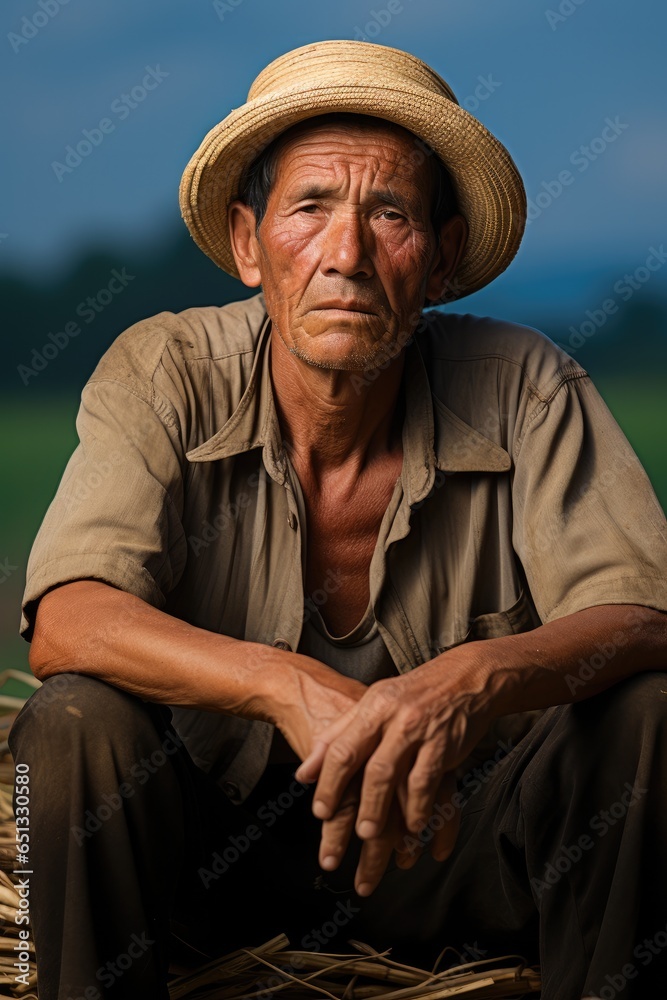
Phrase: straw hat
pixel 361 78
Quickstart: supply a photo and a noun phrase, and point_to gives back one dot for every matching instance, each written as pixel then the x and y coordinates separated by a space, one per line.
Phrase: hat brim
pixel 489 188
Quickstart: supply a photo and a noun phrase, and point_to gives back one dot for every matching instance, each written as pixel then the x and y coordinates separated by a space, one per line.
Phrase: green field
pixel 37 439
pixel 641 409
pixel 39 436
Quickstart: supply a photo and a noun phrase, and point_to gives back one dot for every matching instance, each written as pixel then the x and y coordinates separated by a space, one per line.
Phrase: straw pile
pixel 363 974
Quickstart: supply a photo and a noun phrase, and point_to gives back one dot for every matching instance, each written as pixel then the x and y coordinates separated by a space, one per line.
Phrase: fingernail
pixel 330 862
pixel 320 809
pixel 364 889
pixel 367 828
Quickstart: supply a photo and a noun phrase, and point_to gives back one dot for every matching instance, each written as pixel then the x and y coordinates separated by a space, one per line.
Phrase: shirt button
pixel 282 644
pixel 231 789
pixel 291 520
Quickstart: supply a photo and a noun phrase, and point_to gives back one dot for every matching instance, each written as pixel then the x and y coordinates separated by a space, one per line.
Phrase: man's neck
pixel 333 420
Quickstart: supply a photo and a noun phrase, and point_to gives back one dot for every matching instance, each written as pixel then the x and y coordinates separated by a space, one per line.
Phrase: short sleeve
pixel 117 513
pixel 588 528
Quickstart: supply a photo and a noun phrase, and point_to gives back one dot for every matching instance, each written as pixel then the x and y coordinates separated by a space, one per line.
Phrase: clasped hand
pixel 386 763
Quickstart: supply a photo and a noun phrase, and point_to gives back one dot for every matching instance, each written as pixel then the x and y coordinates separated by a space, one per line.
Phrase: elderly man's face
pixel 345 252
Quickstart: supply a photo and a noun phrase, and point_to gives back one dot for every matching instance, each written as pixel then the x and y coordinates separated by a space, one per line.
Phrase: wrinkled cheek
pixel 287 280
pixel 297 337
pixel 281 293
pixel 407 266
pixel 290 247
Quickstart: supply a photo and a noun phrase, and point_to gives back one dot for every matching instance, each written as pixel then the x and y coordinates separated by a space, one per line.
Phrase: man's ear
pixel 241 220
pixel 441 283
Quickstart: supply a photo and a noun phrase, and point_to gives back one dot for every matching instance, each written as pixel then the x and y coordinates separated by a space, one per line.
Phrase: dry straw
pixel 364 974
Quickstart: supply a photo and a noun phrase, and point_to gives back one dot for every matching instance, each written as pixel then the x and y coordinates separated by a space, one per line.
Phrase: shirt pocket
pixel 520 617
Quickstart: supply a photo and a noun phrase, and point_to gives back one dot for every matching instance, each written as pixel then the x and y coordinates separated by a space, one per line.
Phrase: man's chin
pixel 349 361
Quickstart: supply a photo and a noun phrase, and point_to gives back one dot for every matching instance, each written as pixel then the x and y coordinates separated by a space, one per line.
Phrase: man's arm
pixel 87 626
pixel 420 726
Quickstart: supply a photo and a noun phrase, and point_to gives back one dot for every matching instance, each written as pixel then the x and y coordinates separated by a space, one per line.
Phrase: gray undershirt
pixel 360 654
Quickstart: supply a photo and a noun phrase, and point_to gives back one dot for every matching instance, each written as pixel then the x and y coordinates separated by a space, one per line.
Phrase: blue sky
pixel 556 71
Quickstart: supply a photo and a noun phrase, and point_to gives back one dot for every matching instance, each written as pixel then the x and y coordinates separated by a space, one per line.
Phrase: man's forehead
pixel 389 150
pixel 350 132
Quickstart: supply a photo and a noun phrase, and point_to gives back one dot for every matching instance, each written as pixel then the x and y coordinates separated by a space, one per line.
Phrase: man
pixel 326 527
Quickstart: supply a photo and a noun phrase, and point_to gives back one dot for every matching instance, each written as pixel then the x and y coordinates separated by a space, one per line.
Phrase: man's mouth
pixel 340 306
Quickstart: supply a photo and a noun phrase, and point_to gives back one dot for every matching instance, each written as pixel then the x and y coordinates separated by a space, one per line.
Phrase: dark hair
pixel 258 179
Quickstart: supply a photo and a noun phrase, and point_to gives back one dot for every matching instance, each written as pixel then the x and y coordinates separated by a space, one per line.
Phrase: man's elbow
pixel 52 649
pixel 45 658
pixel 41 664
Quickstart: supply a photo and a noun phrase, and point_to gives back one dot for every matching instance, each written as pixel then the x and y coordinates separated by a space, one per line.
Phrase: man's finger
pixel 374 858
pixel 349 751
pixel 395 756
pixel 309 768
pixel 424 781
pixel 384 780
pixel 343 759
pixel 336 833
pixel 409 848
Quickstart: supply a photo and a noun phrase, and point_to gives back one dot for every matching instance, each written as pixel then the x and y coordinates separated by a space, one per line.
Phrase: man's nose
pixel 347 248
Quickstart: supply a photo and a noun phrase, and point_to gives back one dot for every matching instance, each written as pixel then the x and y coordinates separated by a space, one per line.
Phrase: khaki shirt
pixel 520 500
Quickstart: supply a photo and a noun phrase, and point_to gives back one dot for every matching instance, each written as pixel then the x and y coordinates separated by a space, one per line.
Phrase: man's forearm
pixel 90 627
pixel 572 658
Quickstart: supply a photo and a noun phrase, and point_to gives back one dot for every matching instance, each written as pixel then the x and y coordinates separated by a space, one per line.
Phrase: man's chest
pixel 341 529
pixel 256 559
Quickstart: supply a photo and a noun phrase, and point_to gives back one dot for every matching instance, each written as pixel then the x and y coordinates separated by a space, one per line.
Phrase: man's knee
pixel 630 713
pixel 71 710
pixel 609 723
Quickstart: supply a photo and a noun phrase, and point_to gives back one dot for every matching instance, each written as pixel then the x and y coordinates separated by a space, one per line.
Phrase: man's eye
pixel 308 208
pixel 390 214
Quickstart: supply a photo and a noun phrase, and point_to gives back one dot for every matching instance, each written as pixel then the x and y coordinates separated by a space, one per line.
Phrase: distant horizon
pixel 110 100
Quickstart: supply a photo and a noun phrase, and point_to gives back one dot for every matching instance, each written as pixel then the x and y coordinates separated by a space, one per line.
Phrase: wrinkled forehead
pixel 350 136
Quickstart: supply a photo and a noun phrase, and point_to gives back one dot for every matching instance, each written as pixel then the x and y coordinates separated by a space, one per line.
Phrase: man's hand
pixel 309 699
pixel 401 742
pixel 407 734
pixel 376 851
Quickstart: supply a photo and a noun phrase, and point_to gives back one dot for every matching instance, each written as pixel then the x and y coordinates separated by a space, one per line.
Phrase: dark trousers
pixel 561 855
